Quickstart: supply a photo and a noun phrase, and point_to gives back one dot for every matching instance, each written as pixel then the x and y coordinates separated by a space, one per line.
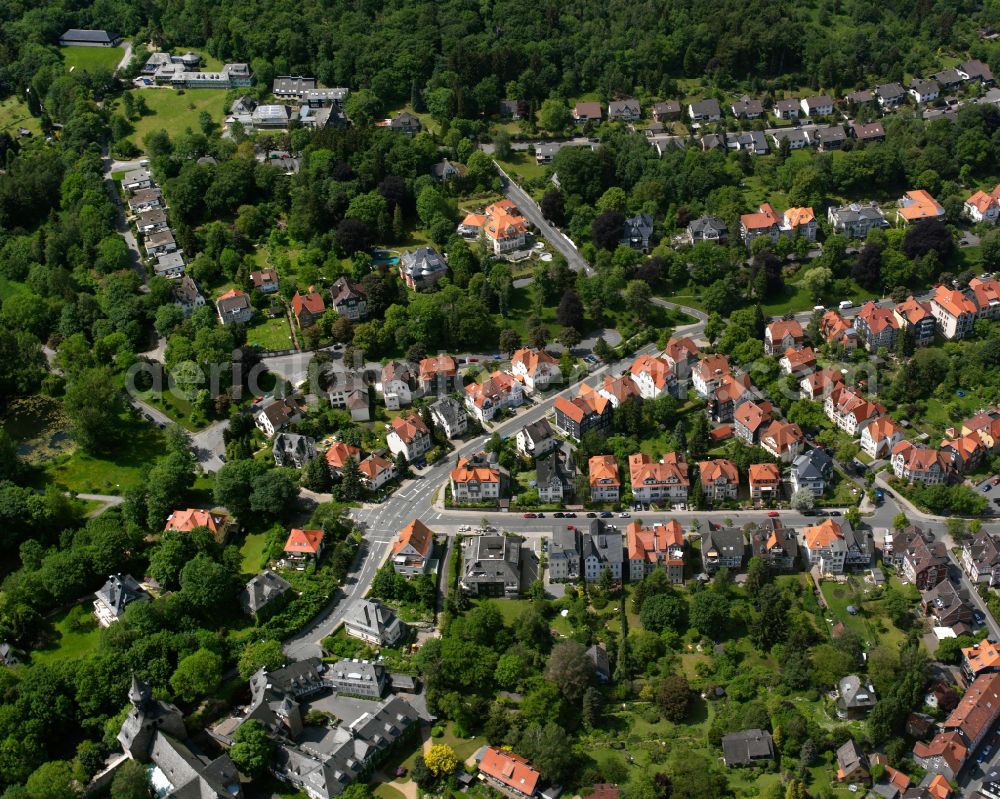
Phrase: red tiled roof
pixel 510 769
pixel 766 473
pixel 532 359
pixel 339 452
pixel 604 470
pixel 417 535
pixel 304 542
pixel 763 219
pixel 711 471
pixel 822 535
pixel 648 543
pixel 671 470
pixel 186 520
pixel 439 364
pixel 407 427
pixel 311 301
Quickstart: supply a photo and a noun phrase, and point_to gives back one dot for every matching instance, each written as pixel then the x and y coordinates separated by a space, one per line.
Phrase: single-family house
pixel 824 546
pixel 707 228
pixel 276 415
pixel 820 384
pixel 868 131
pixel 136 179
pixel 747 748
pixel 617 390
pixel 708 373
pixel 508 773
pixel 376 471
pixel 627 110
pixel 422 268
pixel 966 452
pixel 264 593
pixel 449 414
pixel 880 438
pixel 492 565
pixel 855 697
pixel 373 623
pixel 890 95
pixel 682 355
pixel 750 419
pixel 587 111
pixel 291 449
pixel 349 390
pixel 555 477
pixel 348 299
pixel 852 764
pixel 796 138
pixel 512 109
pixel 787 109
pixel 774 544
pixel 115 595
pixel 747 108
pixel 925 562
pixel 812 470
pixel 798 362
pixel 917 317
pixel 654 376
pixel 828 137
pixel 265 280
pixel 337 456
pixel 850 411
pixel 536 439
pixel 536 369
pixel 412 549
pixel 234 307
pixel 860 97
pixel 409 435
pixel 782 335
pixel 399 384
pixel 666 111
pixel 307 308
pixel 924 91
pixel 705 110
pixel 980 559
pixel 304 546
pixel 764 222
pixel 877 326
pixel 945 605
pixel 186 295
pixel 783 440
pixel 983 207
pixel 637 232
pixel 817 106
pixel 439 375
pixel 916 206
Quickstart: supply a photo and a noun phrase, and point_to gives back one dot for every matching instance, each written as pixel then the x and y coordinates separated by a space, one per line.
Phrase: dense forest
pixel 477 50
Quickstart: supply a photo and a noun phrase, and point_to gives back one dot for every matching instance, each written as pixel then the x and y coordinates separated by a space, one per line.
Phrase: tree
pixel 353 235
pixel 637 296
pixel 662 612
pixel 131 782
pixel 673 697
pixel 928 235
pixel 603 350
pixel 252 748
pixel 710 613
pixel 553 207
pixel 570 311
pixel 197 675
pixel 817 281
pixel 554 115
pixel 593 707
pixel 93 404
pixel 267 654
pixel 53 780
pixel 441 760
pixel 233 485
pixel 510 340
pixel 803 499
pixel 606 230
pixel 501 145
pixel 316 475
pixel 207 585
pixel 570 669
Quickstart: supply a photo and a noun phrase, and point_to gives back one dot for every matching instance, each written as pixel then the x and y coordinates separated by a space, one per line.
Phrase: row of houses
pixel 147 205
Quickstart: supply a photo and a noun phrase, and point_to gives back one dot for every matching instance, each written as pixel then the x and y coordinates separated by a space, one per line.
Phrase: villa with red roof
pixel 439 375
pixel 308 308
pixel 983 207
pixel 536 369
pixel 783 440
pixel 765 482
pixel 876 326
pixel 376 471
pixel 917 206
pixel 682 355
pixel 500 390
pixel 605 479
pixel 337 456
pixel 819 385
pixel 501 225
pixel 798 362
pixel 617 390
pixel 764 222
pixel 220 525
pixel 410 436
pixel 954 311
pixel 880 438
pixel 749 420
pixel 588 410
pixel 920 464
pixel 654 376
pixel 477 478
pixel 782 335
pixel 508 773
pixel 304 546
pixel 850 411
pixel 916 316
pixel 412 549
pixel 801 222
pixel 708 373
pixel 837 330
pixel 986 425
pixel 720 479
pixel 966 452
pixel 650 548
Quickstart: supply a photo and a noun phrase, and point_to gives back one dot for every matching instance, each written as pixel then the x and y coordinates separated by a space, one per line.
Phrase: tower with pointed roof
pixel 147 716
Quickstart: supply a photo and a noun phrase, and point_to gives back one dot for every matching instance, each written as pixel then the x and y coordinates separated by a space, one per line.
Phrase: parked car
pixel 773 513
pixel 607 514
pixel 834 513
pixel 529 516
pixel 593 515
pixel 987 488
pixel 624 514
pixel 557 515
pixel 995 481
pixel 569 515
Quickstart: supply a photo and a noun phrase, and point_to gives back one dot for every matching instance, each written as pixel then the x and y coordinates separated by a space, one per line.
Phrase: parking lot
pixel 990 488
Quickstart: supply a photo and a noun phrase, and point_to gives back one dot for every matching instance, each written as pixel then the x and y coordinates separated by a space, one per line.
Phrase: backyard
pixel 91 59
pixel 14 114
pixel 270 334
pixel 76 635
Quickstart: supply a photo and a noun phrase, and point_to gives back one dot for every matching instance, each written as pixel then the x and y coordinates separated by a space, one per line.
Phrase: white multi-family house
pixel 536 439
pixel 536 369
pixel 498 392
pixel 409 436
pixel 880 438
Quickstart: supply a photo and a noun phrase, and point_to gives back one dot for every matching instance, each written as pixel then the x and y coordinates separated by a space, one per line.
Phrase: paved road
pixel 529 208
pixel 121 225
pixel 209 447
pixel 109 500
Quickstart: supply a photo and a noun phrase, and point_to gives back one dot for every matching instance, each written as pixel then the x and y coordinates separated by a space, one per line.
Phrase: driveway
pixel 125 58
pixel 209 446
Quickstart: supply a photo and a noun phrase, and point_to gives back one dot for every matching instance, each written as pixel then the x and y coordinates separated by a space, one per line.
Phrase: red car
pixel 773 513
pixel 995 481
pixel 529 515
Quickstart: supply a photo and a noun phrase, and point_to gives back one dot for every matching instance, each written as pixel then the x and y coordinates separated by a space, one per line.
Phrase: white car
pixel 624 514
pixel 845 304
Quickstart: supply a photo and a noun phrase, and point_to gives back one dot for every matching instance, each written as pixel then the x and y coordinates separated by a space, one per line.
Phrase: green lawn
pixel 524 164
pixel 176 111
pixel 14 114
pixel 69 644
pixel 113 473
pixel 270 334
pixel 91 59
pixel 253 552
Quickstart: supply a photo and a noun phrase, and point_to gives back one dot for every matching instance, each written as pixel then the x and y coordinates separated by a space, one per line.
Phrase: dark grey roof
pixel 889 91
pixel 119 591
pixel 813 465
pixel 703 223
pixel 193 777
pixel 948 77
pixel 372 616
pixel 792 134
pixel 421 262
pixel 984 550
pixel 708 106
pixel 404 371
pixel 753 138
pixel 449 409
pixel 87 35
pixel 292 84
pixel 553 466
pixel 540 430
pixel 856 212
pixel 854 693
pixel 640 227
pixel 263 589
pixel 861 96
pixel 785 537
pixel 849 756
pixel 616 107
pixel 830 133
pixel 747 105
pixel 747 746
pixel 922 86
pixel 606 547
pixel 492 558
pixel 786 105
pixel 728 542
